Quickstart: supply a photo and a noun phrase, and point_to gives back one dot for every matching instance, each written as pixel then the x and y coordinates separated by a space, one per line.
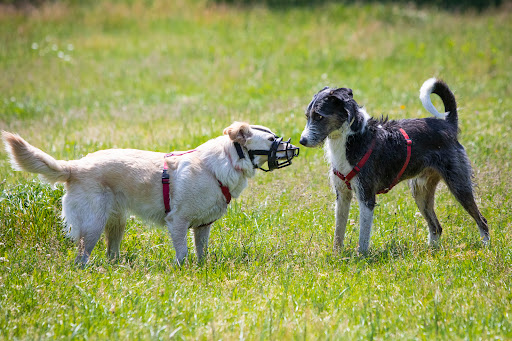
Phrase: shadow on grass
pixel 457 5
pixel 390 252
pixel 238 258
pixel 394 251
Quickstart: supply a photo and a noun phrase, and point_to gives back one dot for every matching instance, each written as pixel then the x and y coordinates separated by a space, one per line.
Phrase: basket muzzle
pixel 279 155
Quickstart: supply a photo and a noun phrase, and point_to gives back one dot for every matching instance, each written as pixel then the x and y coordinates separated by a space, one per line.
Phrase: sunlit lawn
pixel 168 76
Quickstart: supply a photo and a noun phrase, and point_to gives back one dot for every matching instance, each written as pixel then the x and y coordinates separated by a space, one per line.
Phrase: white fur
pixel 365 226
pixel 335 149
pixel 343 199
pixel 425 91
pixel 366 117
pixel 104 186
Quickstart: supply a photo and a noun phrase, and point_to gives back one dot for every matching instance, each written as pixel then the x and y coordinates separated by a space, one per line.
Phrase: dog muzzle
pixel 273 160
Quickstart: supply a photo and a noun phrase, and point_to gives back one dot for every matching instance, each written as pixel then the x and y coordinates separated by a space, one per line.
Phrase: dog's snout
pixel 303 141
pixel 293 151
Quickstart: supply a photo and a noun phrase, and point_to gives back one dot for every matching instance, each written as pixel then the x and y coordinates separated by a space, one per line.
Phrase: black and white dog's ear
pixel 310 105
pixel 346 96
pixel 319 92
pixel 343 94
pixel 349 92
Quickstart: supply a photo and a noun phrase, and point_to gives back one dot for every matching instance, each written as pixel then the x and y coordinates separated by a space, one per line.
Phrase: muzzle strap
pixel 273 161
pixel 239 150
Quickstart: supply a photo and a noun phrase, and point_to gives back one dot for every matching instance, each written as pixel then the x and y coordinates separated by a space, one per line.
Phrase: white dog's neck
pixel 221 158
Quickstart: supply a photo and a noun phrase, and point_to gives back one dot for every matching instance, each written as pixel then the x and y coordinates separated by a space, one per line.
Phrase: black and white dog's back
pixel 371 155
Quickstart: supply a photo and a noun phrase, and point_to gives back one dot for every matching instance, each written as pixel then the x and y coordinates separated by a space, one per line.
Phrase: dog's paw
pixel 434 240
pixel 486 240
pixel 337 247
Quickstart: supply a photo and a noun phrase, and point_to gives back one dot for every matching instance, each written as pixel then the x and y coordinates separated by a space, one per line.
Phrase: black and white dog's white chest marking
pixel 336 151
pixel 371 156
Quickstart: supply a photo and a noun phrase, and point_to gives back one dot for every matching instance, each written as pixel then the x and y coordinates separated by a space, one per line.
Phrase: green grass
pixel 153 75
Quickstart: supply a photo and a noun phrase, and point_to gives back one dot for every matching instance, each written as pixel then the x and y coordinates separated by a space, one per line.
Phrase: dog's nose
pixel 303 141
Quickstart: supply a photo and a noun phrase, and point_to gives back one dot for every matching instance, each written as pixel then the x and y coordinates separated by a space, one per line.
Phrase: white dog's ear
pixel 238 132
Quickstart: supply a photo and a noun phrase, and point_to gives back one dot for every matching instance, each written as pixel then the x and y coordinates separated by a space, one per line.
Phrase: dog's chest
pixel 336 154
pixel 208 213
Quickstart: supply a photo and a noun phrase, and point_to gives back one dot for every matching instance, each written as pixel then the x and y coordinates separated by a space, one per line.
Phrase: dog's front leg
pixel 366 207
pixel 201 236
pixel 178 229
pixel 343 199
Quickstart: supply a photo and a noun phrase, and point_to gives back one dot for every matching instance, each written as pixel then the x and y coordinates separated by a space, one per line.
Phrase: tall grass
pixel 168 76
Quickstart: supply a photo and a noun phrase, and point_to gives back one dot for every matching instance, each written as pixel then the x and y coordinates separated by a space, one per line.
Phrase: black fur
pixel 450 105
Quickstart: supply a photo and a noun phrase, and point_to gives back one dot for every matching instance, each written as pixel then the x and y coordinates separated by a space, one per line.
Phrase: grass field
pixel 168 76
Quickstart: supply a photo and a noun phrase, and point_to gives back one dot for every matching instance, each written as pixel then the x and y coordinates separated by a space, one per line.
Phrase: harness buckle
pixel 165 177
pixel 348 185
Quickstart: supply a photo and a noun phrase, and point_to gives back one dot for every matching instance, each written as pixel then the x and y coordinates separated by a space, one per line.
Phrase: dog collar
pixel 360 164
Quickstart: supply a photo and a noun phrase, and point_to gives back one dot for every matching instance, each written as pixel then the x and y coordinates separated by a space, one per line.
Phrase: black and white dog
pixel 371 155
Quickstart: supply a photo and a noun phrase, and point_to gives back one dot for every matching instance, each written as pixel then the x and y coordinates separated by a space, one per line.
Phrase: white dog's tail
pixel 440 88
pixel 31 159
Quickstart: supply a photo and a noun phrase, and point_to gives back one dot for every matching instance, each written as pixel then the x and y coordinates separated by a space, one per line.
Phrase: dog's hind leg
pixel 178 229
pixel 423 190
pixel 114 231
pixel 86 216
pixel 458 180
pixel 201 236
pixel 343 199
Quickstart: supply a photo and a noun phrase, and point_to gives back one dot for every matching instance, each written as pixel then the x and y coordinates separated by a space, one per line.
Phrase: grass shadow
pixel 455 5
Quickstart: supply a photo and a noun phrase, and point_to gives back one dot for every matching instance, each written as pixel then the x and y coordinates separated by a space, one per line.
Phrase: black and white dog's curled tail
pixel 440 88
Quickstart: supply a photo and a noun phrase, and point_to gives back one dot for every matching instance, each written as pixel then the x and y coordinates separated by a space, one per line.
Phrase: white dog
pixel 181 190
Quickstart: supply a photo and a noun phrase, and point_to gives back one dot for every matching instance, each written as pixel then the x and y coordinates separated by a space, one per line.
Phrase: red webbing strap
pixel 180 154
pixel 409 148
pixel 227 195
pixel 166 182
pixel 165 189
pixel 365 158
pixel 357 168
pixel 225 191
pixel 342 177
pixel 360 164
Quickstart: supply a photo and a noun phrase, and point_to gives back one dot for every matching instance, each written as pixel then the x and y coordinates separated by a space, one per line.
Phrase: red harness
pixel 165 183
pixel 360 164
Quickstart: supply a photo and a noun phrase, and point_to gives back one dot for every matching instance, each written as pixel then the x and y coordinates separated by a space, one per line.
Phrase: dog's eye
pixel 272 138
pixel 317 117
